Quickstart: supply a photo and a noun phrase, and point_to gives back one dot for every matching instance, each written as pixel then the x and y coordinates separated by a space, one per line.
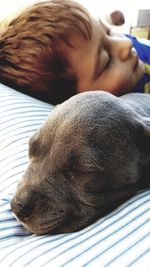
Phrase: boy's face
pixel 105 62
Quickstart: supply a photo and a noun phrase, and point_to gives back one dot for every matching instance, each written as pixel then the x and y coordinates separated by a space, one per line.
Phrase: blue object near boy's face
pixel 107 61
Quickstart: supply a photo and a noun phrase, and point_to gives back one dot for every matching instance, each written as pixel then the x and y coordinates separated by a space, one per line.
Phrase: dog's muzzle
pixel 22 210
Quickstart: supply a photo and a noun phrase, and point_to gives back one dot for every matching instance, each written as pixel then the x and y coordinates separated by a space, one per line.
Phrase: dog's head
pixel 86 159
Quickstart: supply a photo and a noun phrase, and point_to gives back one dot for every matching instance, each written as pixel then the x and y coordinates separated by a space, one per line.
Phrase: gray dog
pixel 91 155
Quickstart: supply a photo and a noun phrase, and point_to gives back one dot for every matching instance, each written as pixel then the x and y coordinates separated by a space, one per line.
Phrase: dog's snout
pixel 22 210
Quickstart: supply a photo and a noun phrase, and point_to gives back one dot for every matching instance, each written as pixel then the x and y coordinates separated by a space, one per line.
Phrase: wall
pixel 97 7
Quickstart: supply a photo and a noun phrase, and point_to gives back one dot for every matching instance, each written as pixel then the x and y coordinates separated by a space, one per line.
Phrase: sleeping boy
pixel 55 49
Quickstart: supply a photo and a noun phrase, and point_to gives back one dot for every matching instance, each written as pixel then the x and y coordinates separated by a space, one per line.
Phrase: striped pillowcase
pixel 119 239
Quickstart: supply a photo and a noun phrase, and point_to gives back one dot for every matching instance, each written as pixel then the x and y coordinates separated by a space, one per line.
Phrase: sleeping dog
pixel 91 155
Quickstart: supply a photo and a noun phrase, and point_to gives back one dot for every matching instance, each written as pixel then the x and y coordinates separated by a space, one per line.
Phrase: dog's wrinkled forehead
pixel 82 114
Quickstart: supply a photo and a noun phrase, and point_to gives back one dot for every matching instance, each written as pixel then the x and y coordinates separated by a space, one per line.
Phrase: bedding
pixel 118 239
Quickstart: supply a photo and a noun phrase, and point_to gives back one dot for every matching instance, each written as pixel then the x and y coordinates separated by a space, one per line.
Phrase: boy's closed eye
pixel 103 61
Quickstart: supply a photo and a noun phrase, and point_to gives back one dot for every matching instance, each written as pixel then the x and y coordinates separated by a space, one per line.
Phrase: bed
pixel 120 239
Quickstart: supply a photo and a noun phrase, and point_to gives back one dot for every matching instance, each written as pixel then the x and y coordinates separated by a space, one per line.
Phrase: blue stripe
pixel 126 250
pixel 100 241
pixel 118 241
pixel 139 258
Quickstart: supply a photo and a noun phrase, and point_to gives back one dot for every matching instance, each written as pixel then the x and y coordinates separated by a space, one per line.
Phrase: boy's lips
pixel 136 58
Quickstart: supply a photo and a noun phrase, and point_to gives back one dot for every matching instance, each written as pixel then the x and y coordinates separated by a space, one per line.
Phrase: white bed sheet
pixel 120 239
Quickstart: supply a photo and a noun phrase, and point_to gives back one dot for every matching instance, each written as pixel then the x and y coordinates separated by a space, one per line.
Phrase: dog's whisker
pixel 49 225
pixel 51 222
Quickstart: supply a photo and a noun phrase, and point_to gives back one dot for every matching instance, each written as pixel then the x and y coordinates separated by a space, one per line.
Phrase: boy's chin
pixel 139 71
pixel 142 67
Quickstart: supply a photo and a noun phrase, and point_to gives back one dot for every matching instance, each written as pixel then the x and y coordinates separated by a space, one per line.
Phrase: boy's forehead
pixel 80 44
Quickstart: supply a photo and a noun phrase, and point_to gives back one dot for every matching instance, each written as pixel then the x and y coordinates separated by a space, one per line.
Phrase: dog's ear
pixel 143 141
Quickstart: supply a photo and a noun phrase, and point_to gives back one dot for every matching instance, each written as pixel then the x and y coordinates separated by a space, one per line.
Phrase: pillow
pixel 118 239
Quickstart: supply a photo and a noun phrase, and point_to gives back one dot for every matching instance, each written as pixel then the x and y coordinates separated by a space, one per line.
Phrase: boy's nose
pixel 123 47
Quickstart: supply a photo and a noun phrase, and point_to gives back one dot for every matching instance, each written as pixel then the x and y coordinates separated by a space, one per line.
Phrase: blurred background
pixel 136 12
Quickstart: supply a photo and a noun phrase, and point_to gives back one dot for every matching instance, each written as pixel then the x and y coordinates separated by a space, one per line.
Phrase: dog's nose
pixel 21 210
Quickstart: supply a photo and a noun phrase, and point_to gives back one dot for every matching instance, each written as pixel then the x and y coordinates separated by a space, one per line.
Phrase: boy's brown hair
pixel 33 49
